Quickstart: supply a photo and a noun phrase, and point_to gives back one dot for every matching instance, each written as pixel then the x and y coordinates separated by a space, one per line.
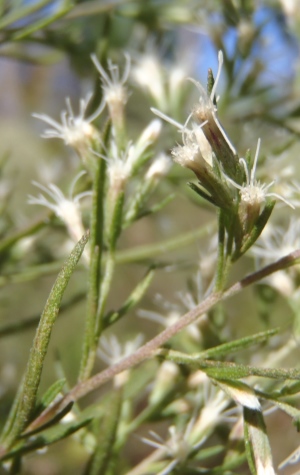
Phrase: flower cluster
pixel 198 401
pixel 224 179
pixel 123 157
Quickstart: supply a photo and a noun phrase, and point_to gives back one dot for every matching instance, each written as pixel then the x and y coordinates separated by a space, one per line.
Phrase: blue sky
pixel 278 50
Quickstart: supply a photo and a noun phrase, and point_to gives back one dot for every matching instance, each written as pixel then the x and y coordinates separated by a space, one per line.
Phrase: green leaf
pixel 288 390
pixel 150 251
pixel 26 397
pixel 48 437
pixel 51 422
pixel 41 23
pixel 237 345
pixel 256 231
pixel 133 299
pixel 31 229
pixel 227 370
pixel 284 406
pixel 116 221
pixel 201 193
pixel 259 450
pixel 51 393
pixel 240 392
pixel 155 208
pixel 248 449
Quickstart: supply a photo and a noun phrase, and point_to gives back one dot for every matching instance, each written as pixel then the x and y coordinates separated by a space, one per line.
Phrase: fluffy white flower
pixel 65 208
pixel 112 351
pixel 74 130
pixel 252 192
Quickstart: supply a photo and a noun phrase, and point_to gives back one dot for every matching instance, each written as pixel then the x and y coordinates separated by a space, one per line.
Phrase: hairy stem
pixel 147 351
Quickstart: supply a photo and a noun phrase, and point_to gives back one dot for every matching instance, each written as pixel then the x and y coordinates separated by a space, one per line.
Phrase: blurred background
pixel 45 49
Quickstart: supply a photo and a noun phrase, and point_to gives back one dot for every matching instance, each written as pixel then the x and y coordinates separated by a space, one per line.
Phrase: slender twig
pixel 149 348
pixel 136 254
pixel 31 322
pixel 31 229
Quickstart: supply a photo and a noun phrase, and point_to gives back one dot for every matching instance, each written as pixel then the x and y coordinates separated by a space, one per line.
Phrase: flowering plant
pixel 205 384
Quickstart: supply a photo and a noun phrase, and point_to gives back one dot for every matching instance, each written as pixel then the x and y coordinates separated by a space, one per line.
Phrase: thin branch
pixel 147 351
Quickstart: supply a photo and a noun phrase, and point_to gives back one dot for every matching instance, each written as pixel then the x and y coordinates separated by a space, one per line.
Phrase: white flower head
pixel 274 243
pixel 148 72
pixel 196 152
pixel 189 155
pixel 214 403
pixel 172 313
pixel 253 193
pixel 178 446
pixel 113 85
pixel 75 130
pixel 277 241
pixel 176 75
pixel 150 134
pixel 165 378
pixel 292 192
pixel 205 113
pixel 162 80
pixel 208 103
pixel 111 351
pixel 159 167
pixel 65 208
pixel 290 8
pixel 119 167
pixel 119 170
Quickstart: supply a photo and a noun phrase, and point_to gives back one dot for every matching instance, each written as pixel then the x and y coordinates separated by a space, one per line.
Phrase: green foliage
pixel 219 362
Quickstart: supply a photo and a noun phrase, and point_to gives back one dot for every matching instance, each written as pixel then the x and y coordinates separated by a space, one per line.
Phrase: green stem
pixel 136 254
pixel 113 234
pixel 8 242
pixel 96 253
pixel 105 288
pixel 149 251
pixel 221 261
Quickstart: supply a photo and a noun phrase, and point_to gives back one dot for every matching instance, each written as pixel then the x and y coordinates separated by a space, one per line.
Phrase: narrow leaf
pixel 237 345
pixel 26 398
pixel 256 231
pixel 48 437
pixel 52 393
pixel 259 442
pixel 132 300
pixel 227 370
pixel 240 392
